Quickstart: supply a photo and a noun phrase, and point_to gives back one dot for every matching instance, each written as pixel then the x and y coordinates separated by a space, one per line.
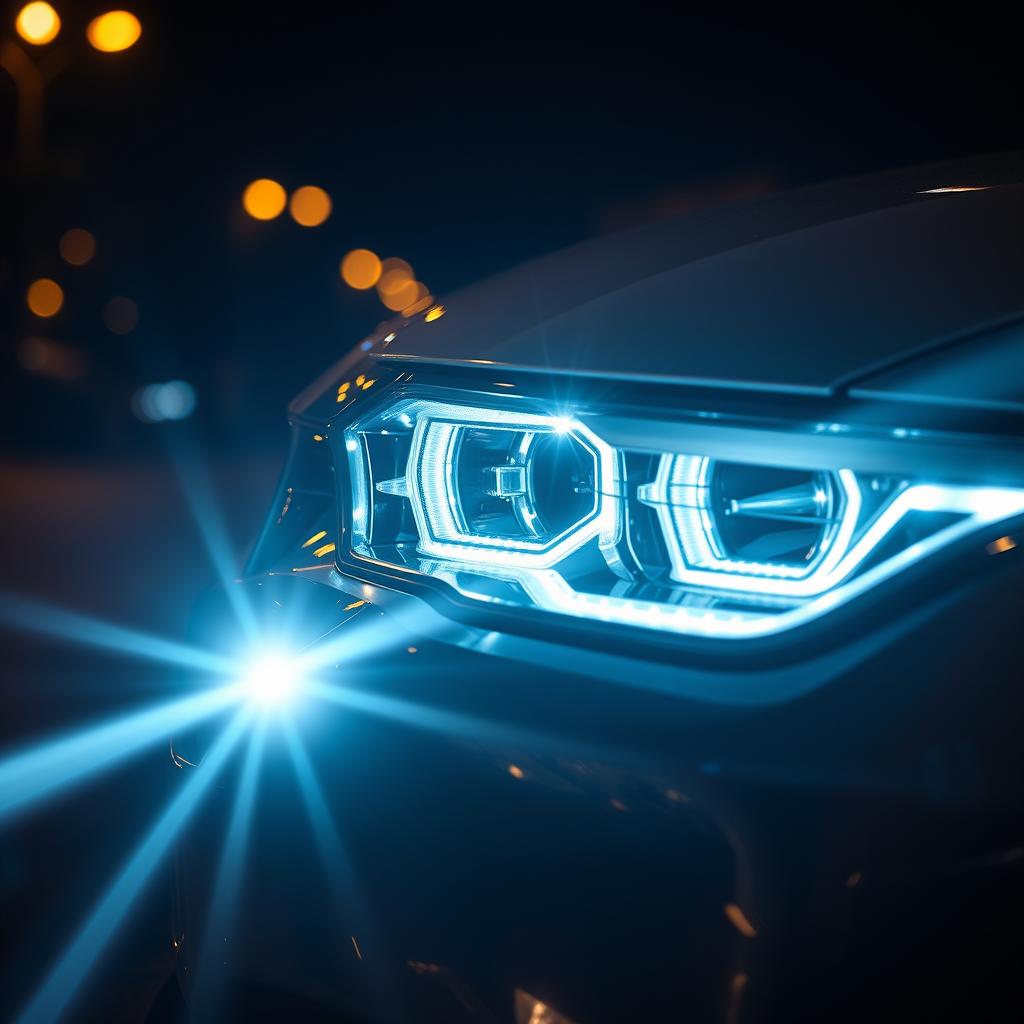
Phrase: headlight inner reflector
pixel 698 511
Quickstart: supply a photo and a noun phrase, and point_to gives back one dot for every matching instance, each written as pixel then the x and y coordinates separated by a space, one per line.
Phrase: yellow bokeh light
pixel 361 269
pixel 77 247
pixel 997 547
pixel 264 199
pixel 310 206
pixel 114 31
pixel 45 297
pixel 435 314
pixel 37 23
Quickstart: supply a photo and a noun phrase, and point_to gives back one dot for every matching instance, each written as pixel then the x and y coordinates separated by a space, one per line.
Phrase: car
pixel 658 612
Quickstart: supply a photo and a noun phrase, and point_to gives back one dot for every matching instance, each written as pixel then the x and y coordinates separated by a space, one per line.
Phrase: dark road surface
pixel 116 543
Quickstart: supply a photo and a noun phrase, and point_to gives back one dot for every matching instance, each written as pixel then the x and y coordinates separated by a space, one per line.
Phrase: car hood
pixel 804 292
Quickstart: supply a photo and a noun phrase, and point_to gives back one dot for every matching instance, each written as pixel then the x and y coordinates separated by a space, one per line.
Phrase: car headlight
pixel 496 487
pixel 693 525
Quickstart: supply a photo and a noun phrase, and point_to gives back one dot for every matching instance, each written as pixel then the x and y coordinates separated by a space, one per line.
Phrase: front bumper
pixel 618 853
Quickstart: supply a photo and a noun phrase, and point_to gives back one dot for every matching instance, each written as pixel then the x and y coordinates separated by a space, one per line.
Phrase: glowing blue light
pixel 431 485
pixel 58 989
pixel 830 582
pixel 172 400
pixel 680 496
pixel 844 529
pixel 979 507
pixel 346 890
pixel 360 640
pixel 206 511
pixel 225 893
pixel 51 620
pixel 272 680
pixel 55 765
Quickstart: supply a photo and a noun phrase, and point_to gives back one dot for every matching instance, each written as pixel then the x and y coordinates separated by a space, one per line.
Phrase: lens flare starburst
pixel 272 680
pixel 231 698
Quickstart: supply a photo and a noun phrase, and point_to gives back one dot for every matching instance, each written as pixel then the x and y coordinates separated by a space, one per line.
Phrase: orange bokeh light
pixel 405 296
pixel 423 300
pixel 114 31
pixel 310 206
pixel 264 199
pixel 45 297
pixel 395 274
pixel 37 23
pixel 361 269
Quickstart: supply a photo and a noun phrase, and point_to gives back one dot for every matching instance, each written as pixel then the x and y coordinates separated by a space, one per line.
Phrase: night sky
pixel 464 147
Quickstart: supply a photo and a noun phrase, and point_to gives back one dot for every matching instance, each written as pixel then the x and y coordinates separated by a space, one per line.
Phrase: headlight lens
pixel 499 488
pixel 543 509
pixel 755 528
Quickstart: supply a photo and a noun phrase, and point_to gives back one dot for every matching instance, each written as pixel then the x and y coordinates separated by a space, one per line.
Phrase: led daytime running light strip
pixel 680 497
pixel 982 505
pixel 549 590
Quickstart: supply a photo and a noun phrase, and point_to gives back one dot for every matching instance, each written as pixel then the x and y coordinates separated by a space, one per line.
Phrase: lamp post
pixel 35 50
pixel 38 25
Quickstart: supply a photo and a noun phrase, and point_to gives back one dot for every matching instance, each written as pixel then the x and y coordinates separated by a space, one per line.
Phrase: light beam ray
pixel 56 764
pixel 232 866
pixel 337 864
pixel 206 512
pixel 67 975
pixel 349 643
pixel 50 620
pixel 455 724
pixel 334 853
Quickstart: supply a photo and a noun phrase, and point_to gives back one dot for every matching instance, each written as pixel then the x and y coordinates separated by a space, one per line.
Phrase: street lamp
pixel 114 31
pixel 38 24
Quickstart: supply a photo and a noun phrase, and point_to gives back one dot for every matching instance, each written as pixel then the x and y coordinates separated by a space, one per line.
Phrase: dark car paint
pixel 987 374
pixel 802 311
pixel 870 258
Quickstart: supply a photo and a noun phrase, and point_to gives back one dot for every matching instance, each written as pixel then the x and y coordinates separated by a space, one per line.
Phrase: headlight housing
pixel 504 488
pixel 693 524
